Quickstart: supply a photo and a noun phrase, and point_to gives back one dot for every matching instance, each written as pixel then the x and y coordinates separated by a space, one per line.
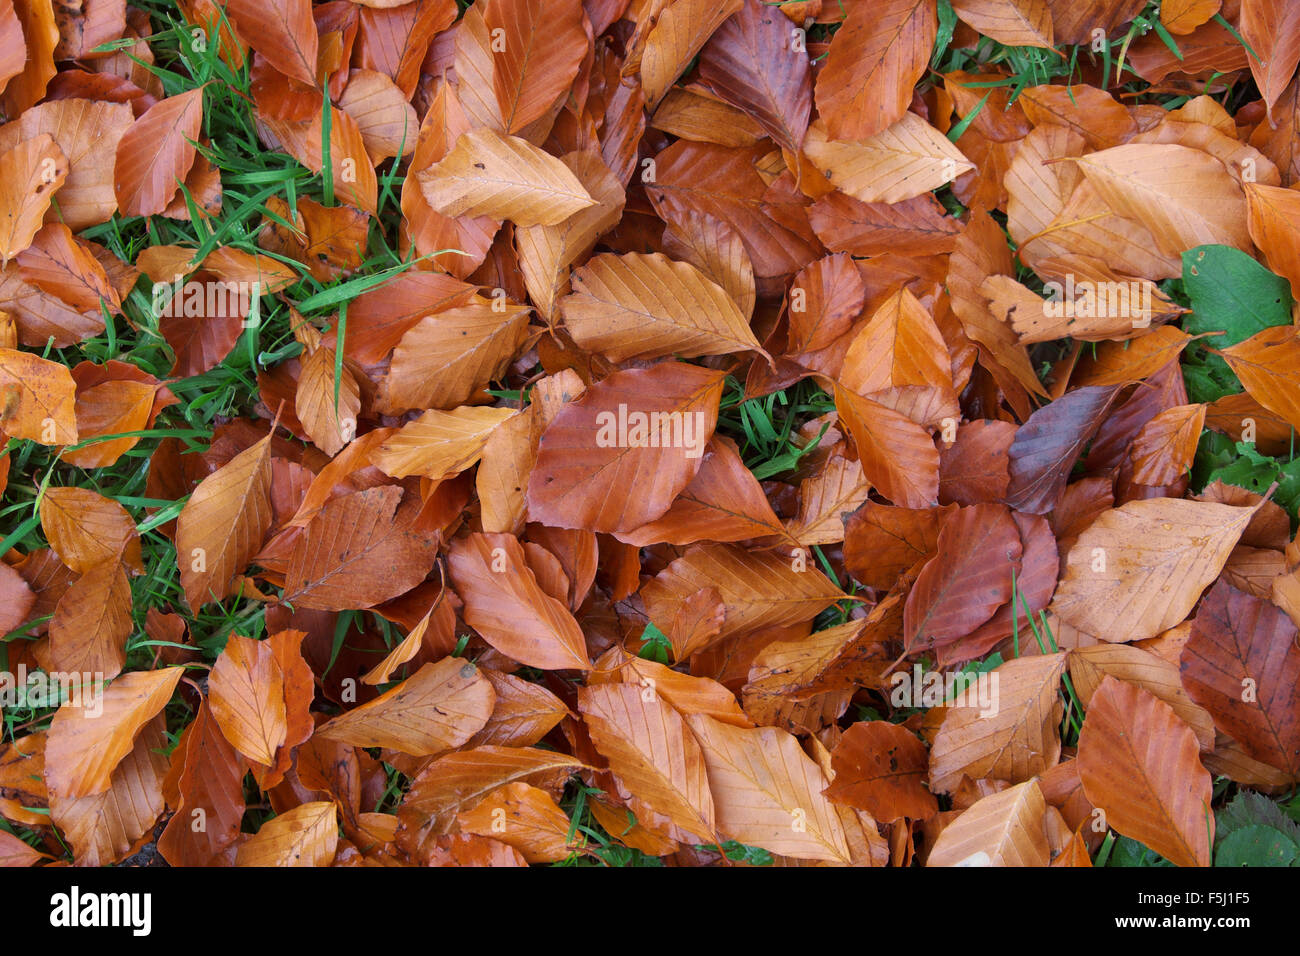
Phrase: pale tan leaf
pixel 439 444
pixel 768 792
pixel 909 158
pixel 222 525
pixel 487 174
pixel 1140 568
pixel 305 836
pixel 441 707
pixel 655 759
pixel 1013 736
pixel 1002 829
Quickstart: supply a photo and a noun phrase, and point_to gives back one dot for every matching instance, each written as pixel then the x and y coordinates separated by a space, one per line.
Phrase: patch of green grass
pixel 765 428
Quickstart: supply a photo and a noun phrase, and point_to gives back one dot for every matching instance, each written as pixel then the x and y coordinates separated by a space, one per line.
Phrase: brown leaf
pixel 656 762
pixel 92 621
pixel 1184 196
pixel 1011 734
pixel 1140 568
pixel 1165 447
pixel 1271 28
pixel 723 502
pixel 457 781
pixel 210 789
pixel 1266 365
pixel 640 428
pixel 246 693
pixel 525 818
pixel 524 712
pixel 105 827
pixel 648 306
pixel 977 553
pixel 881 541
pixel 113 407
pixel 505 177
pixel 31 172
pixel 1138 764
pixel 357 552
pixel 875 59
pixel 22 780
pixel 86 529
pixel 902 161
pixel 1160 677
pixel 85 131
pixel 898 456
pixel 439 444
pixel 387 122
pixel 757 589
pixel 768 792
pixel 537 47
pixel 282 31
pixel 749 62
pixel 1242 665
pixel 1001 829
pixel 1010 22
pixel 1048 444
pixel 881 768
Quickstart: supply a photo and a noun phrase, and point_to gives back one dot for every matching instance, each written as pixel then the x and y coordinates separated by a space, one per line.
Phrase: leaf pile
pixel 629 432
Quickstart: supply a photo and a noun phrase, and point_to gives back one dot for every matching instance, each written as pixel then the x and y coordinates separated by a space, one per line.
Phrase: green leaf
pixel 656 646
pixel 1253 809
pixel 1257 845
pixel 743 853
pixel 1255 472
pixel 1232 293
pixel 1129 852
pixel 1206 376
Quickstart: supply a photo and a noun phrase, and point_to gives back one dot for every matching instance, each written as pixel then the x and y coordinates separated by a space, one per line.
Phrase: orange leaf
pixel 222 526
pixel 640 428
pixel 156 153
pixel 506 605
pixel 283 31
pixel 537 46
pixel 246 693
pixel 876 57
pixel 441 707
pixel 898 456
pixel 82 750
pixel 1138 763
pixel 305 836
